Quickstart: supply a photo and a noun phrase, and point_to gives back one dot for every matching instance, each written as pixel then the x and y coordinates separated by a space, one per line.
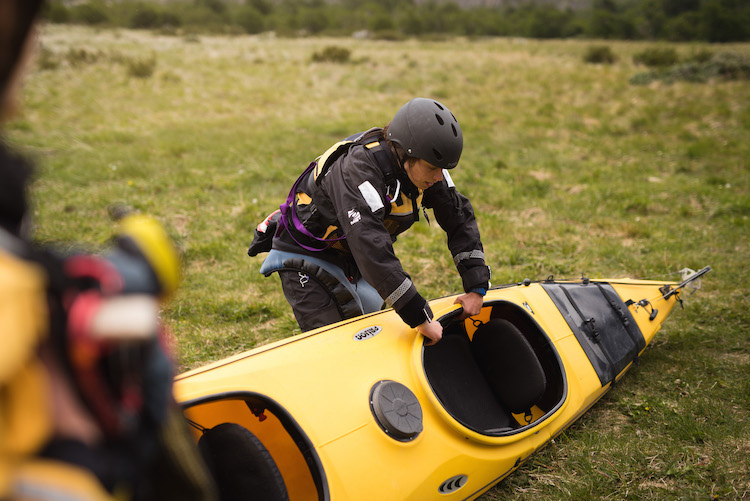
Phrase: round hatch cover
pixel 396 409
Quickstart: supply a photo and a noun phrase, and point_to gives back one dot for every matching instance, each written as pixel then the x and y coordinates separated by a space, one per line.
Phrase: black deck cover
pixel 601 323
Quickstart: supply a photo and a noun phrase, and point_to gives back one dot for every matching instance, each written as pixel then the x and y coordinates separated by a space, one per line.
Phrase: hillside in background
pixel 672 20
pixel 559 4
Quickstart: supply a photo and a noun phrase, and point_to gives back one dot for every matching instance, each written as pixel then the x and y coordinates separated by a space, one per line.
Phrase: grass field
pixel 571 169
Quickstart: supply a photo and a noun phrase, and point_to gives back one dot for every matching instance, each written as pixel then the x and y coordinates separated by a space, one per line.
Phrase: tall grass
pixel 571 169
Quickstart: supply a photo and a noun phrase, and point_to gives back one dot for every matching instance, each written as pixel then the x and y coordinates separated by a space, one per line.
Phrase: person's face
pixel 423 174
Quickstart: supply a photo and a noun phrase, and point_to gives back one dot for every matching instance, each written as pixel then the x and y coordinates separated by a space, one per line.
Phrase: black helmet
pixel 426 129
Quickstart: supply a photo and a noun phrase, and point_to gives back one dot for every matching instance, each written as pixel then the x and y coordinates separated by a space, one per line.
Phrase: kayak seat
pixel 241 466
pixel 509 365
pixel 458 383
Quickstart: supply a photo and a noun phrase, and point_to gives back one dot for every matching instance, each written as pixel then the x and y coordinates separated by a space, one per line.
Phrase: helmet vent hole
pixel 438 105
pixel 455 132
pixel 437 154
pixel 440 119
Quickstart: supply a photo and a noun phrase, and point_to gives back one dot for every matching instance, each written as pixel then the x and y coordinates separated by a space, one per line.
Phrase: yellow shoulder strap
pixel 329 156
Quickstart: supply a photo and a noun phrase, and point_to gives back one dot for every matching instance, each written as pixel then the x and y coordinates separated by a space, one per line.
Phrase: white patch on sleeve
pixel 448 179
pixel 354 216
pixel 371 196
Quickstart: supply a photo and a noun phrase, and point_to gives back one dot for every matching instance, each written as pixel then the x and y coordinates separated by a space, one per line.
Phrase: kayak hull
pixel 362 409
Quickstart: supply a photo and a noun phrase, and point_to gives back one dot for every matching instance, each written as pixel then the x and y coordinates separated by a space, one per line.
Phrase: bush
pixel 265 7
pixel 723 22
pixel 599 54
pixel 702 56
pixel 548 22
pixel 57 12
pixel 723 65
pixel 141 68
pixel 145 18
pixel 216 6
pixel 313 20
pixel 89 13
pixel 332 54
pixel 657 57
pixel 170 19
pixel 730 65
pixel 82 56
pixel 47 60
pixel 381 22
pixel 203 18
pixel 683 28
pixel 251 20
pixel 388 35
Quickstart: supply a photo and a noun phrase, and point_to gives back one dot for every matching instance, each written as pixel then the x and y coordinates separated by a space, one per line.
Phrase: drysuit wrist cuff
pixel 414 312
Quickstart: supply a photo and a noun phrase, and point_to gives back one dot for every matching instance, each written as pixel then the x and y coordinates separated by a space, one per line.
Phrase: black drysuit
pixel 360 191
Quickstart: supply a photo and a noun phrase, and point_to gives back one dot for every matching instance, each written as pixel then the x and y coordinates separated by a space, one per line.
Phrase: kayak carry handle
pixel 668 292
pixel 446 315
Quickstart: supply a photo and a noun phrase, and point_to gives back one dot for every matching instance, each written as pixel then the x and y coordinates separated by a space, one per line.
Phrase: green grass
pixel 571 170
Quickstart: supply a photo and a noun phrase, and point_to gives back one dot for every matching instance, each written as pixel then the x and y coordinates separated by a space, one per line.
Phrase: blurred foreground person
pixel 86 408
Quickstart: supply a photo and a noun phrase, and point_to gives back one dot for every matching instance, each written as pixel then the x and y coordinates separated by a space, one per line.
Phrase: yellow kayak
pixel 362 409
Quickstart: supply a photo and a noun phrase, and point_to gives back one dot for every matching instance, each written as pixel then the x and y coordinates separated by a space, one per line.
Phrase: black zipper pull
pixel 424 211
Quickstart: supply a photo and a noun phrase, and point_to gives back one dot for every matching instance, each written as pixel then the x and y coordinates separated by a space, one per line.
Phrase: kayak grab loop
pixel 646 305
pixel 396 410
pixel 689 277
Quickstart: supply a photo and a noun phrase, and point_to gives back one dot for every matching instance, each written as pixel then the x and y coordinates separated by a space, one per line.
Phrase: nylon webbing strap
pixel 386 167
pixel 475 254
pixel 288 213
pixel 11 243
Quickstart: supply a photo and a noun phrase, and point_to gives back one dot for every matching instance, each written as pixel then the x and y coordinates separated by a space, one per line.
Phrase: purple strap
pixel 288 212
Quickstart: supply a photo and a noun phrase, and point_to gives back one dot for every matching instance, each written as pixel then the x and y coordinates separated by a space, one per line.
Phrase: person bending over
pixel 333 238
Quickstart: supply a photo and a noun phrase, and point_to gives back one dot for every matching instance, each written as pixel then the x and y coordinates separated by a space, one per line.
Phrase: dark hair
pixel 16 20
pixel 382 135
pixel 396 148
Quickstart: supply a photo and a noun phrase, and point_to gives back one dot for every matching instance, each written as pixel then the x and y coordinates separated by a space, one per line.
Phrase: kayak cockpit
pixel 498 376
